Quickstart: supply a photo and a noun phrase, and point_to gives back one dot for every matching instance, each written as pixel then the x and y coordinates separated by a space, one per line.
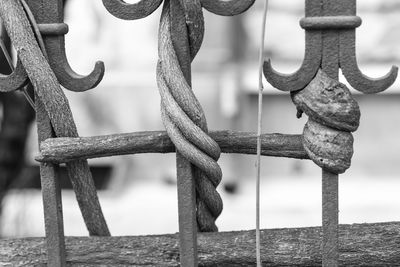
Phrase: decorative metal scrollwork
pixel 49 17
pixel 316 23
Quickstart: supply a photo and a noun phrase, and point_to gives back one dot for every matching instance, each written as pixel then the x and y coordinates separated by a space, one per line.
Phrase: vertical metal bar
pixel 185 170
pixel 330 219
pixel 187 212
pixel 330 181
pixel 51 192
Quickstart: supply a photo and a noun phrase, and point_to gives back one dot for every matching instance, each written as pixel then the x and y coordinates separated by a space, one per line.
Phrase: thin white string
pixel 259 126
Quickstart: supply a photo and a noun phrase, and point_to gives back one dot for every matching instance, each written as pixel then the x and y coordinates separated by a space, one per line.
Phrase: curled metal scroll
pixel 14 81
pixel 49 17
pixel 311 63
pixel 299 79
pixel 353 74
pixel 227 8
pixel 344 23
pixel 123 10
pixel 67 77
pixel 18 77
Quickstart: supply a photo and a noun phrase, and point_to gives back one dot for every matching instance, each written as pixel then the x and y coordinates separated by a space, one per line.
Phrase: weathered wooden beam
pixel 66 149
pixel 375 244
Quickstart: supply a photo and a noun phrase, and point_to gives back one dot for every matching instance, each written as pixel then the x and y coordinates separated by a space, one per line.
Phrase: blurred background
pixel 138 192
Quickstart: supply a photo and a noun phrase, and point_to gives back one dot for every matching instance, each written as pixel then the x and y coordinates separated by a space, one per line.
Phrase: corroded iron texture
pixel 180 38
pixel 330 44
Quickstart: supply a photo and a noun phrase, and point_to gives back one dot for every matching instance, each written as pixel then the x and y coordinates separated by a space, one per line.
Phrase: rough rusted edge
pixel 348 61
pixel 311 63
pixel 330 202
pixel 55 47
pixel 330 218
pixel 174 40
pixel 56 104
pixel 353 74
pixel 65 149
pixel 330 22
pixel 360 245
pixel 51 194
pixel 14 81
pixel 17 78
pixel 53 28
pixel 227 8
pixel 122 10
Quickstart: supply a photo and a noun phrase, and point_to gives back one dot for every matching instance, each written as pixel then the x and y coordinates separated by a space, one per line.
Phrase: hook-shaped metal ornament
pixel 311 63
pixel 350 69
pixel 50 16
pixel 309 68
pixel 347 56
pixel 227 8
pixel 18 77
pixel 339 16
pixel 15 80
pixel 123 10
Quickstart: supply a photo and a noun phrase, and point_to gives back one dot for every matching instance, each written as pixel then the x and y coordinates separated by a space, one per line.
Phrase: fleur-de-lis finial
pixel 343 20
pixel 330 44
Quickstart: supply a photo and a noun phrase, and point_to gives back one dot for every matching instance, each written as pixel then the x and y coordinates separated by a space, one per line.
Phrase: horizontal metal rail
pixel 65 149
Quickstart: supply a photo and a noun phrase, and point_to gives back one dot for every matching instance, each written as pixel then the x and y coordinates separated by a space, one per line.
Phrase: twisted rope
pixel 180 36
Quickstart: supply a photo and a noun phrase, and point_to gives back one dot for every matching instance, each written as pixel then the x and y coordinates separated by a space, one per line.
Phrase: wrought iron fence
pixel 37 31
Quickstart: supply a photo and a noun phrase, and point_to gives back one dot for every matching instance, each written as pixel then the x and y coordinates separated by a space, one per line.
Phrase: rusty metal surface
pixel 13 81
pixel 57 109
pixel 127 11
pixel 330 45
pixel 339 15
pixel 180 37
pixel 50 18
pixel 51 194
pixel 17 78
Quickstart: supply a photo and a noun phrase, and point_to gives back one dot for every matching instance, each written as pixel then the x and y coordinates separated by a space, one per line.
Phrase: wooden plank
pixel 65 149
pixel 360 245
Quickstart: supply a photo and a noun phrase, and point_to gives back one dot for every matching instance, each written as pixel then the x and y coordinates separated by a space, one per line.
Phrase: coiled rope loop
pixel 180 37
